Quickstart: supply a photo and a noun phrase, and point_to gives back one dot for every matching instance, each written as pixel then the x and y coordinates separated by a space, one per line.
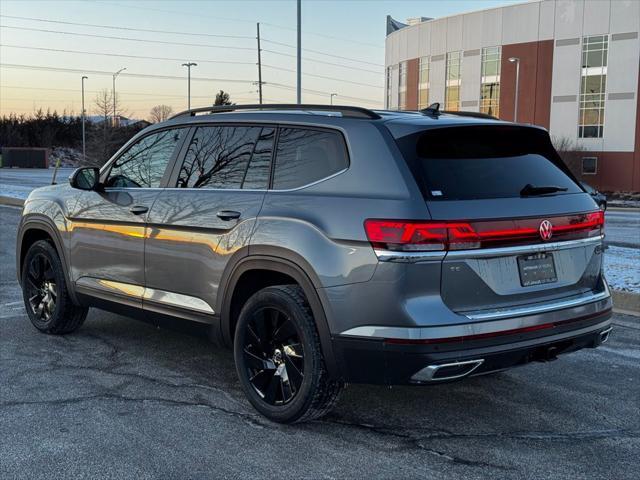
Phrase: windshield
pixel 462 163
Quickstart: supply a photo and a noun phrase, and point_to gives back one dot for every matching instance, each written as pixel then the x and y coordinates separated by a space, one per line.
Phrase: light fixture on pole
pixel 114 93
pixel 84 142
pixel 333 95
pixel 189 65
pixel 516 60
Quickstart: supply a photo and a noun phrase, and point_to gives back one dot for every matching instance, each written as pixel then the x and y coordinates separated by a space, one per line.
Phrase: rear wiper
pixel 531 190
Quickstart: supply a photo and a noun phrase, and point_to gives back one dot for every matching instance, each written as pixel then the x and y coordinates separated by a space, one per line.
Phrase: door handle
pixel 228 215
pixel 139 209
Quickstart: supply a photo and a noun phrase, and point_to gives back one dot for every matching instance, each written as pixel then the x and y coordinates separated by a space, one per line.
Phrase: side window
pixel 305 156
pixel 226 157
pixel 144 163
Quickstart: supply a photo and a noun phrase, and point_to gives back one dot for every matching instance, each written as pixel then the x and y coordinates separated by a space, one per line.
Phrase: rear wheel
pixel 278 357
pixel 45 293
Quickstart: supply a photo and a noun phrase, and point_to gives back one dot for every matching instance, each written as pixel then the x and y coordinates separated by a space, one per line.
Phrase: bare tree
pixel 104 105
pixel 160 113
pixel 101 142
pixel 570 152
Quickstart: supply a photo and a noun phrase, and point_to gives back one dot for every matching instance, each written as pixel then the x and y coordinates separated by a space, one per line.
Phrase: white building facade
pixel 578 75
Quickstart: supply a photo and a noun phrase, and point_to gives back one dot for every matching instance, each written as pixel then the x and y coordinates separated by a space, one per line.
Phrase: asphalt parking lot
pixel 124 399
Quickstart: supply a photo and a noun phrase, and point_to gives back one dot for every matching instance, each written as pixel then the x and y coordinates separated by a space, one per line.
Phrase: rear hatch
pixel 516 226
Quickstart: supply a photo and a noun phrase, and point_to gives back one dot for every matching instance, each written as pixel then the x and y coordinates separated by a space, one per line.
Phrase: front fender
pixel 45 210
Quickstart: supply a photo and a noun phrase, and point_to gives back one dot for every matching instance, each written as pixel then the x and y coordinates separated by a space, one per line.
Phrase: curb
pixel 626 302
pixel 14 202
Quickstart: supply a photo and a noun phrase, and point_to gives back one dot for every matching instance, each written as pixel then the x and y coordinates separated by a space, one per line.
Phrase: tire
pixel 45 293
pixel 280 365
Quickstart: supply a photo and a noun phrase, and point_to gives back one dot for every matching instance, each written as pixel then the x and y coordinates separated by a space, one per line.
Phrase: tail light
pixel 413 235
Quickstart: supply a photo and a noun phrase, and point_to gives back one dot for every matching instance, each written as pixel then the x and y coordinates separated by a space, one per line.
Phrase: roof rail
pixel 346 111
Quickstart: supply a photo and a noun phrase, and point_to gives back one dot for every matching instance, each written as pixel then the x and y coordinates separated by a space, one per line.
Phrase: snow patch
pixel 622 268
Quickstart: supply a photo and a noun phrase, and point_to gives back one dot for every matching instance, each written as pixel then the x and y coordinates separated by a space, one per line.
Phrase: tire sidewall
pixel 274 298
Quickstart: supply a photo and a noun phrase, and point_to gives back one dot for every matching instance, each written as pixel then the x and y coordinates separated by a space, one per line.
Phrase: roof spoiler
pixel 433 110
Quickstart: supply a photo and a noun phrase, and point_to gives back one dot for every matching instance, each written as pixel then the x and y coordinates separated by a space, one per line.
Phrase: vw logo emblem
pixel 546 230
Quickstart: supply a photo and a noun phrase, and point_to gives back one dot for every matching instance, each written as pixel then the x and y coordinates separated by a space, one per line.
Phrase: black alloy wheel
pixel 41 288
pixel 274 356
pixel 279 357
pixel 47 301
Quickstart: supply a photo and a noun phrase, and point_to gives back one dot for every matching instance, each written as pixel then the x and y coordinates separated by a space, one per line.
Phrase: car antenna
pixel 433 109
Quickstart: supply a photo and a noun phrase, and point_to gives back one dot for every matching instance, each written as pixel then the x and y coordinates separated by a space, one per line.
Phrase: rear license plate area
pixel 536 269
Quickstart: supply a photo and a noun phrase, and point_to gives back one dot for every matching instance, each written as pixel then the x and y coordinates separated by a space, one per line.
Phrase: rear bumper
pixel 418 361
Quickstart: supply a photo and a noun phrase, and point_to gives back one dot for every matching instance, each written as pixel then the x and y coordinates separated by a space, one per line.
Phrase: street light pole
pixel 299 55
pixel 333 95
pixel 259 65
pixel 114 94
pixel 189 65
pixel 84 150
pixel 516 60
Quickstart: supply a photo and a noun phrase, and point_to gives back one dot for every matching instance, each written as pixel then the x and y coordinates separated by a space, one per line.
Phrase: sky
pixel 42 62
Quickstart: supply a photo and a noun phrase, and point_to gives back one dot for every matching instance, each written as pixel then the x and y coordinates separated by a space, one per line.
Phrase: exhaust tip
pixel 604 335
pixel 446 371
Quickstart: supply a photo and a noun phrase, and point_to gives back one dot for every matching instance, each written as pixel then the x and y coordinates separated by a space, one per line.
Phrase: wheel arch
pixel 33 229
pixel 287 268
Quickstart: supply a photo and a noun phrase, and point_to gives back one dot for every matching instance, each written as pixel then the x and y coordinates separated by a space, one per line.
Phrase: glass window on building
pixel 490 81
pixel 593 86
pixel 452 83
pixel 388 87
pixel 423 83
pixel 402 86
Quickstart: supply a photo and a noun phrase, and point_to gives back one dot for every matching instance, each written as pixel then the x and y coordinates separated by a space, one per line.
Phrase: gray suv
pixel 328 245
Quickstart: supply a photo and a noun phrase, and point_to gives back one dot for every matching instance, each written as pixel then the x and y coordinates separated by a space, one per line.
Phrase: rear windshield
pixel 463 163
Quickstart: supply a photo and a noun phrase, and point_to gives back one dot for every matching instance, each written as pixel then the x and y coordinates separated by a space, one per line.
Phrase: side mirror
pixel 85 178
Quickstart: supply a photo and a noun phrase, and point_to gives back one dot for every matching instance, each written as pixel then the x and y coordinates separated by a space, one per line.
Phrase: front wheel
pixel 45 293
pixel 278 357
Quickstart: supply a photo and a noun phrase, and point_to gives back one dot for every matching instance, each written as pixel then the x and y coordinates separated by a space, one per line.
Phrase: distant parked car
pixel 599 197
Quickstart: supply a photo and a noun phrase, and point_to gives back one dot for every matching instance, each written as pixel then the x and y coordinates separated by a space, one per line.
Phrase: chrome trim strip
pixel 520 249
pixel 117 288
pixel 147 294
pixel 407 257
pixel 177 300
pixel 448 331
pixel 536 309
pixel 421 333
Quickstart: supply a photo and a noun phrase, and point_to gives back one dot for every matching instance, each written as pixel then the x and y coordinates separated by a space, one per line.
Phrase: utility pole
pixel 84 141
pixel 259 66
pixel 114 94
pixel 299 59
pixel 189 65
pixel 516 60
pixel 333 95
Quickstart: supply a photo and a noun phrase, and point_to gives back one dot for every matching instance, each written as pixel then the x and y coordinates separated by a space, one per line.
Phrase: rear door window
pixel 228 157
pixel 463 163
pixel 304 156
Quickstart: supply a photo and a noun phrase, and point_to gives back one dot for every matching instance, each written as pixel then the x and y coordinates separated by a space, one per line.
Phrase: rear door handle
pixel 228 215
pixel 139 209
